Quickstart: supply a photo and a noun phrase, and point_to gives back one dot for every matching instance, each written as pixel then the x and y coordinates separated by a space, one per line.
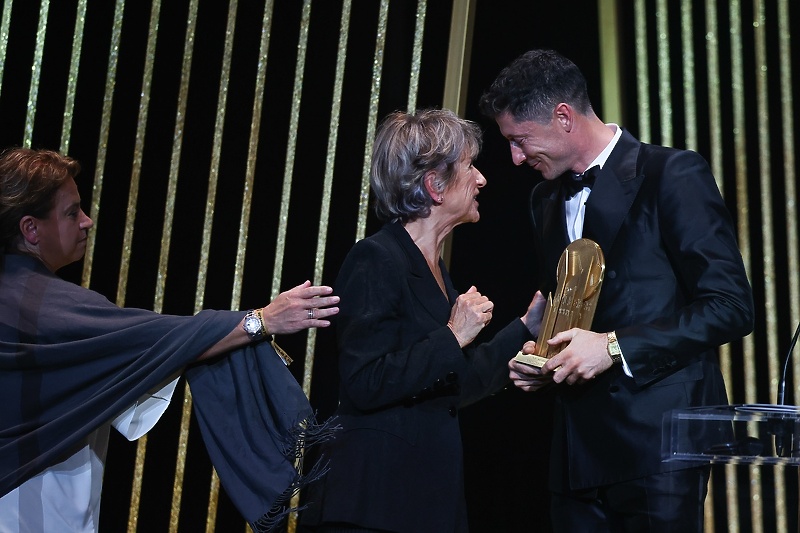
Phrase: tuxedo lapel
pixel 613 194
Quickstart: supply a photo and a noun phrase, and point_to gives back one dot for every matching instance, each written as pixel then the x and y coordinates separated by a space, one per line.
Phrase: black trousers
pixel 670 502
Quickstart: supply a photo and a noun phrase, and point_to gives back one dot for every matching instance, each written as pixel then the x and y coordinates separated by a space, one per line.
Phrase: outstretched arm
pixel 302 307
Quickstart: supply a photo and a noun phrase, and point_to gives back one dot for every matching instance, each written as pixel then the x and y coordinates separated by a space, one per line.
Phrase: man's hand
pixel 535 314
pixel 527 377
pixel 585 356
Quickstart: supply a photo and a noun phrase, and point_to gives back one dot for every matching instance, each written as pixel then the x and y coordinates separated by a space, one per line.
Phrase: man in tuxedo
pixel 675 289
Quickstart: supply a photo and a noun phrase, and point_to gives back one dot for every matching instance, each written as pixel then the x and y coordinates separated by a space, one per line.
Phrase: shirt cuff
pixel 140 417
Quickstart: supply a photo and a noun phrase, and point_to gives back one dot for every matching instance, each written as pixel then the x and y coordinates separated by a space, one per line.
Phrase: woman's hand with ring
pixel 292 310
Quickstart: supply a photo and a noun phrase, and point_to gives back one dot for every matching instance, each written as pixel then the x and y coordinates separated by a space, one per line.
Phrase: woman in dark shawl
pixel 72 362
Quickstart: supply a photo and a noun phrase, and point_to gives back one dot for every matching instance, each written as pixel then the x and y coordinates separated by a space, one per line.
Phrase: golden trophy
pixel 580 275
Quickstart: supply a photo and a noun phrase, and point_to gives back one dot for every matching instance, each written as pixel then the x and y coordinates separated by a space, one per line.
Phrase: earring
pixel 441 198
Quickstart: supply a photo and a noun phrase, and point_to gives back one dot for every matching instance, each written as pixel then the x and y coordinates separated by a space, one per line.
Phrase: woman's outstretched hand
pixel 302 307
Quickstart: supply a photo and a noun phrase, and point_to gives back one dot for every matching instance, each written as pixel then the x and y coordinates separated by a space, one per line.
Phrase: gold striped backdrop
pixel 226 146
pixel 715 76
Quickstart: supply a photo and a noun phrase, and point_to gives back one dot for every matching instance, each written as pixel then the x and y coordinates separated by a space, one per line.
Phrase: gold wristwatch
pixel 614 351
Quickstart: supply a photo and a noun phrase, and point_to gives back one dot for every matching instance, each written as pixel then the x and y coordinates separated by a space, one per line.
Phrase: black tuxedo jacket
pixel 675 289
pixel 397 463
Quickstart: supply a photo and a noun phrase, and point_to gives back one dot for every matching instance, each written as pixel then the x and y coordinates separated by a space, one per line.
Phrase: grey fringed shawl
pixel 70 360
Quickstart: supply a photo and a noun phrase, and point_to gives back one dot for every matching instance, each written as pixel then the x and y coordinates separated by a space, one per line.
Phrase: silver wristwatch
pixel 254 325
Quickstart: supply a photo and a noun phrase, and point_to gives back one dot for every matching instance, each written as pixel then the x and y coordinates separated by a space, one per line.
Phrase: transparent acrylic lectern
pixel 747 433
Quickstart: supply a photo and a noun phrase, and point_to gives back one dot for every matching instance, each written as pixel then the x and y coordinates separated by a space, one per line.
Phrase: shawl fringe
pixel 308 433
pixel 303 436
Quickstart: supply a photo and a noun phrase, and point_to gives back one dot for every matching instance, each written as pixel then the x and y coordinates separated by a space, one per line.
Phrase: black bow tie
pixel 575 183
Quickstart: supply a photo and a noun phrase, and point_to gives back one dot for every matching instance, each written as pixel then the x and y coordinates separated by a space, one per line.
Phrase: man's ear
pixel 563 116
pixel 27 226
pixel 429 179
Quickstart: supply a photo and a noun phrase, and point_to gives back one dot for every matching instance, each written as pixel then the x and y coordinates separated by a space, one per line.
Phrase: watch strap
pixel 260 314
pixel 614 350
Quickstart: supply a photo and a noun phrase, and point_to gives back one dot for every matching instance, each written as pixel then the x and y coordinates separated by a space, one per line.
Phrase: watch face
pixel 252 325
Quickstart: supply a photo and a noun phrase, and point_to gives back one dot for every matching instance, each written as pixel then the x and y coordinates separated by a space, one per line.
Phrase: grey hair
pixel 406 148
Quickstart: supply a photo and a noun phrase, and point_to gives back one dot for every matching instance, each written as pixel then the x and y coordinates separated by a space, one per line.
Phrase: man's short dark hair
pixel 533 85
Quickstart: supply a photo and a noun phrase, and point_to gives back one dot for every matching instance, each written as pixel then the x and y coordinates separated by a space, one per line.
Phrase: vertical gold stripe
pixel 689 83
pixel 216 149
pixel 213 502
pixel 72 80
pixel 302 49
pixel 330 159
pixel 138 151
pixel 714 94
pixel 102 145
pixel 690 113
pixel 280 247
pixel 141 128
pixel 768 251
pixel 664 80
pixel 5 24
pixel 247 198
pixel 175 158
pixel 458 51
pixel 327 187
pixel 416 59
pixel 136 488
pixel 790 176
pixel 180 460
pixel 731 499
pixel 457 73
pixel 740 157
pixel 609 27
pixel 642 71
pixel 744 229
pixel 377 70
pixel 36 73
pixel 213 181
pixel 716 158
pixel 252 153
pixel 765 172
pixel 163 260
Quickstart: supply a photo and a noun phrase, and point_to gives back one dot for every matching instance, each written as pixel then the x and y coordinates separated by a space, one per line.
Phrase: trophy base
pixel 530 359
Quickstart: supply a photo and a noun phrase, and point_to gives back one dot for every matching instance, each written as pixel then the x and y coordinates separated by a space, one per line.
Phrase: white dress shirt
pixel 66 496
pixel 575 207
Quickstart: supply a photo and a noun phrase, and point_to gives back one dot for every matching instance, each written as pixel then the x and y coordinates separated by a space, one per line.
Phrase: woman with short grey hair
pixel 407 357
pixel 406 148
